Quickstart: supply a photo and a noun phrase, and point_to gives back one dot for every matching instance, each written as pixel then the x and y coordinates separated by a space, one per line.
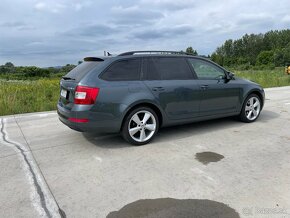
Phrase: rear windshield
pixel 81 70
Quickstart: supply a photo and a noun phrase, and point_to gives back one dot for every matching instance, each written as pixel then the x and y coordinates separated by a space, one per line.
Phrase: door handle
pixel 204 87
pixel 158 89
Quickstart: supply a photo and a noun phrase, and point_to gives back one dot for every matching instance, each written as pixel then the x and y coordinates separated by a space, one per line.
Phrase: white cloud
pixel 40 6
pixel 81 5
pixel 50 6
pixel 286 18
pixel 78 6
pixel 169 4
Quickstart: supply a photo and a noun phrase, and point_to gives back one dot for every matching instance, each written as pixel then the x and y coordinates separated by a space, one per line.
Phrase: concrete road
pixel 220 168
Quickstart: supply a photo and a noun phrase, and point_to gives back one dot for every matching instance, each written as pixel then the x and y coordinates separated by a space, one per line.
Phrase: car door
pixel 218 94
pixel 172 83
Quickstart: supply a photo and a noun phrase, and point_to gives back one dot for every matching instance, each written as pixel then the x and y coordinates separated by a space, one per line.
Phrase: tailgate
pixel 67 93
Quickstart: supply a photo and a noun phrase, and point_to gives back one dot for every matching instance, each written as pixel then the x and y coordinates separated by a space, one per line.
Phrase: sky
pixel 58 32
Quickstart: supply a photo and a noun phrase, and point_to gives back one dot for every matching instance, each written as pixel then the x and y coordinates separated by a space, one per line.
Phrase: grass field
pixel 22 96
pixel 266 78
pixel 25 96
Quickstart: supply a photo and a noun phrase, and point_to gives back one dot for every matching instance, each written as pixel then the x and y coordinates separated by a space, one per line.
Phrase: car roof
pixel 134 54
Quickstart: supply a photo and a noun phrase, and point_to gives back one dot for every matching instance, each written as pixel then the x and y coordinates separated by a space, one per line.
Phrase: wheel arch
pixel 151 105
pixel 259 95
pixel 256 92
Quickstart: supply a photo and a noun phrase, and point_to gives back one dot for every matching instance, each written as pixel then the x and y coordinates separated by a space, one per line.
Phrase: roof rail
pixel 154 52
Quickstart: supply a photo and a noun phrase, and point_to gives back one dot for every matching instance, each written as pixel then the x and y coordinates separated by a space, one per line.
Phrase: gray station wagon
pixel 138 92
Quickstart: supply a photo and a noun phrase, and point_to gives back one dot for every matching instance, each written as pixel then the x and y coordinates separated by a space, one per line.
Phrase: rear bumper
pixel 97 122
pixel 263 96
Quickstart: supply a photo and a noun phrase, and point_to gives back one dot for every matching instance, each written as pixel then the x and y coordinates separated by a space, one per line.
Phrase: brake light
pixel 85 95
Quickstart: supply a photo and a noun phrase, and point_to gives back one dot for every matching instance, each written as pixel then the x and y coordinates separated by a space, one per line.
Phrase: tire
pixel 140 126
pixel 251 109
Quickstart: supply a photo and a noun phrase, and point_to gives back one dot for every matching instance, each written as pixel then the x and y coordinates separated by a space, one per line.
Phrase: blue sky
pixel 57 32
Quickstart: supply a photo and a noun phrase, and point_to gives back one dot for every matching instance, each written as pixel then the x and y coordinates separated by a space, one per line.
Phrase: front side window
pixel 205 69
pixel 168 68
pixel 124 70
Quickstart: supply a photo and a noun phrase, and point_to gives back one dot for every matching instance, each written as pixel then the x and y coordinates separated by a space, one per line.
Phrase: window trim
pixel 120 60
pixel 209 62
pixel 146 68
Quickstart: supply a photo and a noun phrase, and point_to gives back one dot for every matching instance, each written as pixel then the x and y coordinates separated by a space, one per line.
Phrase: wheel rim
pixel 142 126
pixel 252 108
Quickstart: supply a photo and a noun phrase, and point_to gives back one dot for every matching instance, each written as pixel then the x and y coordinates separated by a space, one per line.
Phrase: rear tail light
pixel 85 95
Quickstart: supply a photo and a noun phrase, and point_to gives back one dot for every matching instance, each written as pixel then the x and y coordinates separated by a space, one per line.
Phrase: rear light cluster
pixel 85 95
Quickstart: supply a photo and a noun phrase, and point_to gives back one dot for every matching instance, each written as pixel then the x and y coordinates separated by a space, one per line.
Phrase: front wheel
pixel 140 126
pixel 251 109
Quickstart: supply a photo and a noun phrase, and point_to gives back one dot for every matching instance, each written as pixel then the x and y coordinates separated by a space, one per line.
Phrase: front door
pixel 218 95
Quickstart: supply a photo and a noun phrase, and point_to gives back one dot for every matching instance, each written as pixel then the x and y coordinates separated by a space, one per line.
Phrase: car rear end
pixel 77 100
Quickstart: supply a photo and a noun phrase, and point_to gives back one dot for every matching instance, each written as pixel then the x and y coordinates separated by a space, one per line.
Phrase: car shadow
pixel 106 140
pixel 178 132
pixel 267 115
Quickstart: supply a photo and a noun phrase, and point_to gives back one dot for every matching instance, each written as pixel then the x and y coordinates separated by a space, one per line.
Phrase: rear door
pixel 172 83
pixel 218 95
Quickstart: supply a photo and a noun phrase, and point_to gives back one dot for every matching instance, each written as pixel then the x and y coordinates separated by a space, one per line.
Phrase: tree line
pixel 10 71
pixel 271 49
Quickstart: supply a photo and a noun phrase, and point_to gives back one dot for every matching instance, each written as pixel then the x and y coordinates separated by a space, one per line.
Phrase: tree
pixel 190 50
pixel 265 58
pixel 7 68
pixel 9 65
pixel 67 68
pixel 278 58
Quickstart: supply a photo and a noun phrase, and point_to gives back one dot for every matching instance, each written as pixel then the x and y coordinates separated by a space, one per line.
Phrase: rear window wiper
pixel 68 78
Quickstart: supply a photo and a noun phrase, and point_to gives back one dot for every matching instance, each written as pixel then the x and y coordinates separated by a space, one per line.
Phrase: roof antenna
pixel 109 54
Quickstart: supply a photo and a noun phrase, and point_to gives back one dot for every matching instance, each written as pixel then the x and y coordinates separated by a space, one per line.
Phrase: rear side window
pixel 168 68
pixel 124 70
pixel 81 70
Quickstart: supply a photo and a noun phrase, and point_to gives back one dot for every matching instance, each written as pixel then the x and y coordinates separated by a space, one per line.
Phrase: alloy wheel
pixel 142 126
pixel 253 108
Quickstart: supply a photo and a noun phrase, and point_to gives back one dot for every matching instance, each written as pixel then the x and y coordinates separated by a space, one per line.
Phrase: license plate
pixel 63 93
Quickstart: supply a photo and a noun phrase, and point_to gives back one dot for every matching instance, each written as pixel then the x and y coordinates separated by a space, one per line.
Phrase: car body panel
pixel 218 97
pixel 178 101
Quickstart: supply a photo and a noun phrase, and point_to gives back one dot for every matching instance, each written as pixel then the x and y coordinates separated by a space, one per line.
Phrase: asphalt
pixel 219 168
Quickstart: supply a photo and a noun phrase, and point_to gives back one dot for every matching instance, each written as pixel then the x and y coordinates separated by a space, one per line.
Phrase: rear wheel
pixel 140 126
pixel 251 109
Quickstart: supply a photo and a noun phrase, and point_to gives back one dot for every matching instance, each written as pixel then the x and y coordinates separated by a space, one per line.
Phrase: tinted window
pixel 81 70
pixel 166 68
pixel 206 70
pixel 123 70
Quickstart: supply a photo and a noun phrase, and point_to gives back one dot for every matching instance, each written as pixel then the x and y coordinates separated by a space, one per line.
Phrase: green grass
pixel 266 78
pixel 23 96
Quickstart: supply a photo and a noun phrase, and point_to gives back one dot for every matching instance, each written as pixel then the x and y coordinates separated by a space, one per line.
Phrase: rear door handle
pixel 158 89
pixel 204 87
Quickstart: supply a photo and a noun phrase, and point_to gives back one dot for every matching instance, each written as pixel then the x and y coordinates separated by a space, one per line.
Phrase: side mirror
pixel 230 75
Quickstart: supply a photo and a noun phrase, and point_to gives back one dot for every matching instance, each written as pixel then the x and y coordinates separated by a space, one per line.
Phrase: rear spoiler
pixel 93 59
